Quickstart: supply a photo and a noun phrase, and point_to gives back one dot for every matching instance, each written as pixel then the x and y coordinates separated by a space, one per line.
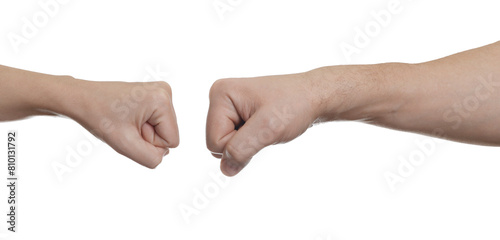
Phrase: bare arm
pixel 25 93
pixel 135 119
pixel 456 97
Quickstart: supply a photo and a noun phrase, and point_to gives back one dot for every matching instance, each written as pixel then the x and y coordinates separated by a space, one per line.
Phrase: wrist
pixel 64 95
pixel 361 92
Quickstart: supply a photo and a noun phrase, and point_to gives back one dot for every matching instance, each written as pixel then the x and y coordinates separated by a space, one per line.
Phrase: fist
pixel 136 119
pixel 248 114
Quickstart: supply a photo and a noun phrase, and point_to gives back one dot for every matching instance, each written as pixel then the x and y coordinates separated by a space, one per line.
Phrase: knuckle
pixel 213 144
pixel 211 139
pixel 160 96
pixel 220 85
pixel 237 153
pixel 174 143
pixel 165 86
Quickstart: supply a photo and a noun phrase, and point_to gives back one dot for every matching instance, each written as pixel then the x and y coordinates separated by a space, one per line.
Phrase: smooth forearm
pixel 24 93
pixel 136 119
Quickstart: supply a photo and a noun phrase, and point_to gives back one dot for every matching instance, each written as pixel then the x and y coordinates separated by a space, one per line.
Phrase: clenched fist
pixel 136 119
pixel 248 114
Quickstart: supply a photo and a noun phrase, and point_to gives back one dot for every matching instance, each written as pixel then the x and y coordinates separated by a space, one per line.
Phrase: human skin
pixel 136 119
pixel 456 97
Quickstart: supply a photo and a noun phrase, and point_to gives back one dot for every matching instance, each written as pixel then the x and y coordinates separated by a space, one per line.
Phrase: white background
pixel 327 184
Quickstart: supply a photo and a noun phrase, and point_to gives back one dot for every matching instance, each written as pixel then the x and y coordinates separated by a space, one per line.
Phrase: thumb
pixel 248 140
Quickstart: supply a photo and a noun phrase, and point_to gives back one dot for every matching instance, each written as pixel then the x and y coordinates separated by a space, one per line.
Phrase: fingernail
pixel 166 153
pixel 231 166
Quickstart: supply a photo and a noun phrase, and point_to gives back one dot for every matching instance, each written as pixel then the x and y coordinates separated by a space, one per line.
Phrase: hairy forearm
pixel 24 93
pixel 456 97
